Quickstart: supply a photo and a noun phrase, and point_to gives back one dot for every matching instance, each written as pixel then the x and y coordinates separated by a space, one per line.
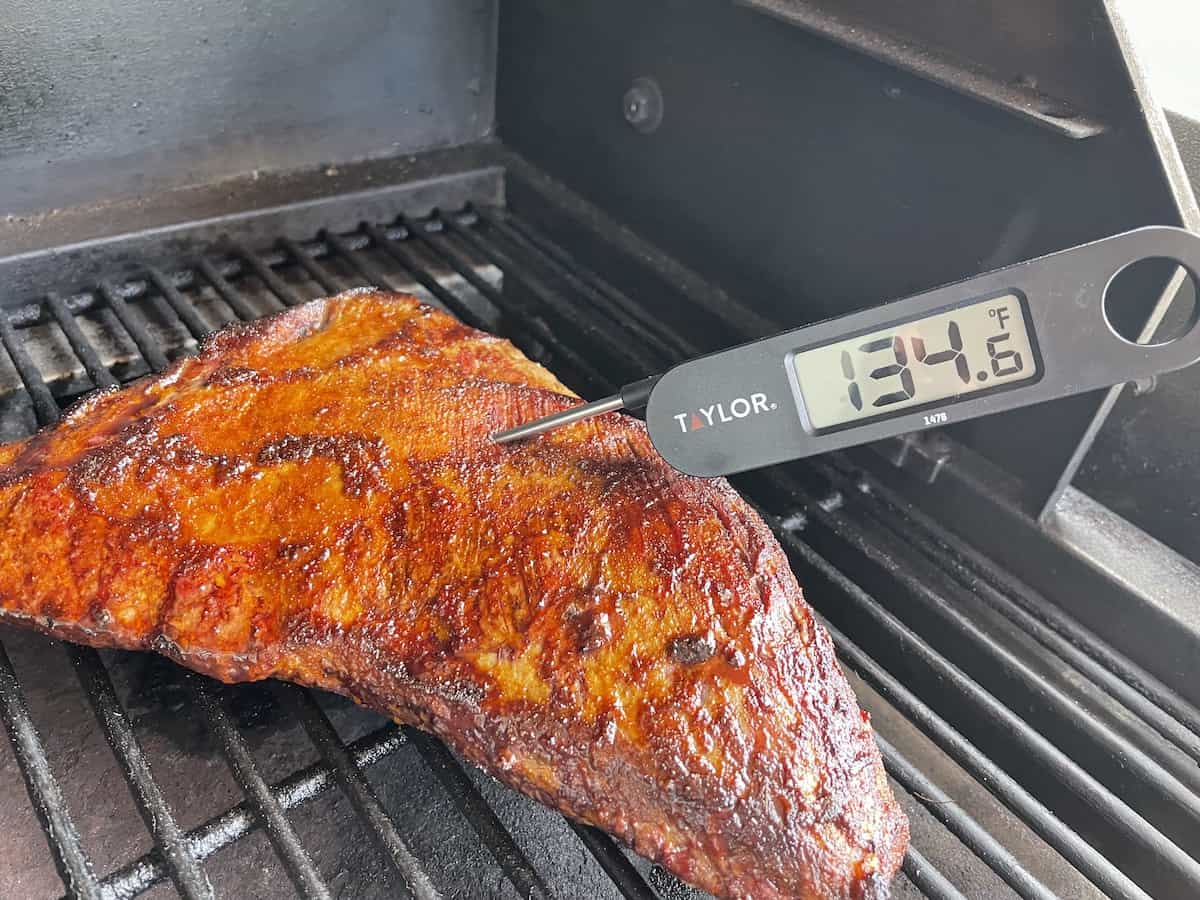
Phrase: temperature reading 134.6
pixel 943 356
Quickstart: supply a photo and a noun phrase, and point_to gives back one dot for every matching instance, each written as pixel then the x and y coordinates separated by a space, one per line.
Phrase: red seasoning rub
pixel 314 498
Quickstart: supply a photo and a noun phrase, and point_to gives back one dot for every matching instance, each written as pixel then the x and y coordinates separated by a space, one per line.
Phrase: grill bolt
pixel 642 105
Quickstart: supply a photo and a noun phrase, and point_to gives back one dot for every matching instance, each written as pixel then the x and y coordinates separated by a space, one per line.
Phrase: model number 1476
pixel 938 418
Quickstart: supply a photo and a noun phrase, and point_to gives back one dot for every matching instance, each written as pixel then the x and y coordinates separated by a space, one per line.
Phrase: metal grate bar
pixel 317 272
pixel 147 346
pixel 1171 717
pixel 186 311
pixel 623 312
pixel 524 322
pixel 543 246
pixel 928 879
pixel 1166 787
pixel 184 869
pixel 518 324
pixel 363 267
pixel 961 825
pixel 265 804
pixel 234 824
pixel 233 299
pixel 1070 633
pixel 427 281
pixel 96 370
pixel 479 814
pixel 69 856
pixel 44 406
pixel 450 254
pixel 456 261
pixel 267 276
pixel 1093 864
pixel 671 347
pixel 628 879
pixel 564 310
pixel 362 795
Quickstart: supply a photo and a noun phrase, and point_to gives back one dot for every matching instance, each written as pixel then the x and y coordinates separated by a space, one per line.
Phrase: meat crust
pixel 314 498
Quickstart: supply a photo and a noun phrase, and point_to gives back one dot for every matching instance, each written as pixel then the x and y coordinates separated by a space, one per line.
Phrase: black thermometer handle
pixel 755 405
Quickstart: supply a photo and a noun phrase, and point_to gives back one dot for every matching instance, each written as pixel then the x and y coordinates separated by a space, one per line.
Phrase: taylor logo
pixel 719 413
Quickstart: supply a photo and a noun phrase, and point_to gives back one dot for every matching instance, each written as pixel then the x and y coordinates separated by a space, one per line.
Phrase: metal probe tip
pixel 557 420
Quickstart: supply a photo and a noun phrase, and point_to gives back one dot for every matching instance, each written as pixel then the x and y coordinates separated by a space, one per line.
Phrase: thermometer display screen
pixel 938 357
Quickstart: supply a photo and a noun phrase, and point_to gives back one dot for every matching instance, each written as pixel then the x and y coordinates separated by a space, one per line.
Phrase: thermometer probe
pixel 1025 334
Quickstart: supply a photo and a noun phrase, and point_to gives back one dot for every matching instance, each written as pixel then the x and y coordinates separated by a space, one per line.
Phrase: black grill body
pixel 631 184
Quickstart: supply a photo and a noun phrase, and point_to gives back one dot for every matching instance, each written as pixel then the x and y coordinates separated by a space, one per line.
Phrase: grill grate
pixel 496 270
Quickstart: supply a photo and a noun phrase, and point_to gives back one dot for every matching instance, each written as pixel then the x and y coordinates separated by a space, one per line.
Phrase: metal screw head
pixel 642 105
pixel 1143 386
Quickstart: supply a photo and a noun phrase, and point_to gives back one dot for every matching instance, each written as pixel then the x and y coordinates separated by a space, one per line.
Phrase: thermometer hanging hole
pixel 1151 302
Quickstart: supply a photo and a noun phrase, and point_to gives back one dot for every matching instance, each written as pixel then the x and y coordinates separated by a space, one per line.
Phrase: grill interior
pixel 1033 758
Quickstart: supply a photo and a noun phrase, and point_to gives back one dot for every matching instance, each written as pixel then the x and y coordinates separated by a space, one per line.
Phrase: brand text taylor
pixel 718 413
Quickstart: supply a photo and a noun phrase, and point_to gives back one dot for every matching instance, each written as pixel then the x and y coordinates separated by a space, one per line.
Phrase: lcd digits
pixel 940 357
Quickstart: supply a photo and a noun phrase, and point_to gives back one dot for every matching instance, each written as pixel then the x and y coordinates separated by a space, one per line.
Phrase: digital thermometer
pixel 1029 333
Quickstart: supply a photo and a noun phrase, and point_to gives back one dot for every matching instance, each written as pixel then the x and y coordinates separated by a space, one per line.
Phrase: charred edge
pixel 692 649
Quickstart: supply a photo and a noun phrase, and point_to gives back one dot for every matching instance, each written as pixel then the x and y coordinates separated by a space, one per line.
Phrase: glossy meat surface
pixel 314 498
